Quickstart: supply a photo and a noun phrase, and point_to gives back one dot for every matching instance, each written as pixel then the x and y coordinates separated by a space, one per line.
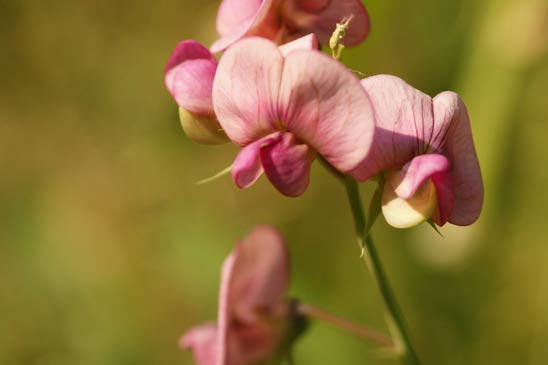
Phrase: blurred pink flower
pixel 284 20
pixel 283 108
pixel 254 320
pixel 425 147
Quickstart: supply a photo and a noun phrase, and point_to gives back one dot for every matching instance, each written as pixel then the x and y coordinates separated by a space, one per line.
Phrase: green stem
pixel 371 258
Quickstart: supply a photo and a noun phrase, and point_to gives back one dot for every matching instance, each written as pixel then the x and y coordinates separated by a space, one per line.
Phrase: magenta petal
pixel 247 167
pixel 455 137
pixel 308 42
pixel 239 18
pixel 202 341
pixel 321 17
pixel 287 164
pixel 418 170
pixel 246 88
pixel 446 197
pixel 324 105
pixel 189 77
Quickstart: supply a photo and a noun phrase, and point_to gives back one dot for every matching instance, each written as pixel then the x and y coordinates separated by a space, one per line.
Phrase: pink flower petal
pixel 239 18
pixel 254 278
pixel 324 105
pixel 247 167
pixel 418 170
pixel 189 77
pixel 246 88
pixel 321 17
pixel 421 168
pixel 308 42
pixel 454 136
pixel 287 164
pixel 405 124
pixel 202 341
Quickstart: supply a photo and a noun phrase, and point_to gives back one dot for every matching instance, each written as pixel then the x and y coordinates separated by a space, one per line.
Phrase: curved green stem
pixel 371 258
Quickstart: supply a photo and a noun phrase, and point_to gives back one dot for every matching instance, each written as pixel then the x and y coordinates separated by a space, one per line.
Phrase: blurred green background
pixel 109 251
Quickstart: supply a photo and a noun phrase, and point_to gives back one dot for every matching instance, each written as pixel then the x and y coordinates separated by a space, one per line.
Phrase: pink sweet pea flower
pixel 425 148
pixel 284 20
pixel 254 320
pixel 285 108
pixel 189 76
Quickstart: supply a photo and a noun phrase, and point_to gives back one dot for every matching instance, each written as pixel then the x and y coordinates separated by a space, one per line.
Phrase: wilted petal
pixel 189 77
pixel 324 105
pixel 453 127
pixel 246 88
pixel 308 42
pixel 247 167
pixel 239 18
pixel 202 341
pixel 287 164
pixel 321 16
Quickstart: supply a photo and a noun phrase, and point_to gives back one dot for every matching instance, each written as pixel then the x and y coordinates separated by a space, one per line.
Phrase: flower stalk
pixel 396 322
pixel 360 331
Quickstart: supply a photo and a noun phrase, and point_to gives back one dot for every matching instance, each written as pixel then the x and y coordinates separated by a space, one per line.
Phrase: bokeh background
pixel 109 251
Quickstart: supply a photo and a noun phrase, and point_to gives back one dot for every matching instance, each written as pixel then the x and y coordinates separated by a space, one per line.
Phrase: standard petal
pixel 246 88
pixel 324 105
pixel 287 164
pixel 189 77
pixel 454 136
pixel 404 122
pixel 321 16
pixel 202 341
pixel 308 42
pixel 240 18
pixel 247 167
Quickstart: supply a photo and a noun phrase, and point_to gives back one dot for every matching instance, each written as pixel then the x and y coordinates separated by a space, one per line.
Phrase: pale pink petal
pixel 225 310
pixel 421 168
pixel 189 77
pixel 324 105
pixel 247 167
pixel 240 18
pixel 261 273
pixel 321 17
pixel 405 123
pixel 454 136
pixel 287 164
pixel 246 88
pixel 202 341
pixel 254 278
pixel 308 42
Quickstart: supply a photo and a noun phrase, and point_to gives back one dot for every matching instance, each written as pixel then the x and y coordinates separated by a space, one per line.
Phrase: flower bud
pixel 201 129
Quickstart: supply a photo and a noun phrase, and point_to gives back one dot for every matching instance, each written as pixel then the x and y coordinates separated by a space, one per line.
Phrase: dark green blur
pixel 109 251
